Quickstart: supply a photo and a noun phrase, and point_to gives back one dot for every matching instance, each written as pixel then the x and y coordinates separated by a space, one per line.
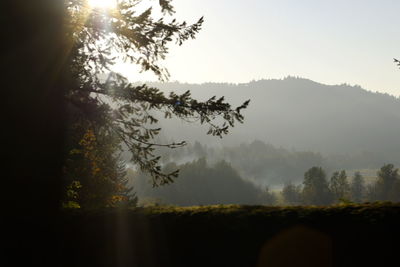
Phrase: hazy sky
pixel 332 42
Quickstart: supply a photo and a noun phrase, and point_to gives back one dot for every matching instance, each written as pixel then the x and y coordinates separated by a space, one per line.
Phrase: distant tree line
pixel 202 183
pixel 266 163
pixel 257 160
pixel 317 189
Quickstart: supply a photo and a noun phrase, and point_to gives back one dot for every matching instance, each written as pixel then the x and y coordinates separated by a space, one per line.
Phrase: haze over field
pixel 200 133
pixel 290 125
pixel 342 113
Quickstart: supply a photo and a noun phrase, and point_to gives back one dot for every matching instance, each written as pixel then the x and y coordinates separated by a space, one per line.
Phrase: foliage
pixel 105 111
pixel 126 197
pixel 357 187
pixel 94 172
pixel 257 160
pixel 316 190
pixel 291 194
pixel 202 183
pixel 387 187
pixel 340 186
pixel 102 37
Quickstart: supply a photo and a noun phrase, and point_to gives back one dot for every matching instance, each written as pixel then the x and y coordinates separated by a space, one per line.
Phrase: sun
pixel 104 4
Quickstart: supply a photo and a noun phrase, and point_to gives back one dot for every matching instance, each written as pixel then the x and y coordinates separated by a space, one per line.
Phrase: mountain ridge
pixel 300 113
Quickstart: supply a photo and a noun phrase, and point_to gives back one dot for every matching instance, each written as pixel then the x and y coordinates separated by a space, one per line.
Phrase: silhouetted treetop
pixel 102 37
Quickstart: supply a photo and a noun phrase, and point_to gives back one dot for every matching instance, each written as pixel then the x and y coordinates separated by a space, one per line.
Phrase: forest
pixel 100 170
pixel 204 183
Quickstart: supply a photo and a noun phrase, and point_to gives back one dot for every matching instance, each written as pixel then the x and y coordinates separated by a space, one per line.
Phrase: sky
pixel 331 42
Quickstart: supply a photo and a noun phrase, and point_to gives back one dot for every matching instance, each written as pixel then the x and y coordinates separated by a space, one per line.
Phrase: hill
pixel 304 115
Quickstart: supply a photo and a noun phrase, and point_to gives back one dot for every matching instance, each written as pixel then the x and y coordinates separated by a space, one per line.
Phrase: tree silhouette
pixel 95 174
pixel 386 184
pixel 357 187
pixel 291 194
pixel 316 190
pixel 340 186
pixel 100 37
pixel 201 183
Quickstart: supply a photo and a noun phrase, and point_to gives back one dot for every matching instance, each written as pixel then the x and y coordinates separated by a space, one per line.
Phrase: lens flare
pixel 104 4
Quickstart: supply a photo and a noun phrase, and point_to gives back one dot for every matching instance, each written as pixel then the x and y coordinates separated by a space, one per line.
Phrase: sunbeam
pixel 105 4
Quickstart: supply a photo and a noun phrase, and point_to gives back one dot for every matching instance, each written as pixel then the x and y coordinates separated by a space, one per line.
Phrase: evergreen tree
pixel 105 110
pixel 340 186
pixel 101 37
pixel 371 193
pixel 291 194
pixel 95 175
pixel 125 195
pixel 357 187
pixel 316 190
pixel 386 185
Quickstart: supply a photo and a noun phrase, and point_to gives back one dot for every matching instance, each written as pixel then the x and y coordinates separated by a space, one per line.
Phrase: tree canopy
pixel 316 189
pixel 109 107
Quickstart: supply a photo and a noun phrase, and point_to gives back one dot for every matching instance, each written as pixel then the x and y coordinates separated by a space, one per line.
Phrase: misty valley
pixel 295 124
pixel 167 133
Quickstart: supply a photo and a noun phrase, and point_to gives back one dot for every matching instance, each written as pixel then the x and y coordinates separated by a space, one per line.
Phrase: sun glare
pixel 106 4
